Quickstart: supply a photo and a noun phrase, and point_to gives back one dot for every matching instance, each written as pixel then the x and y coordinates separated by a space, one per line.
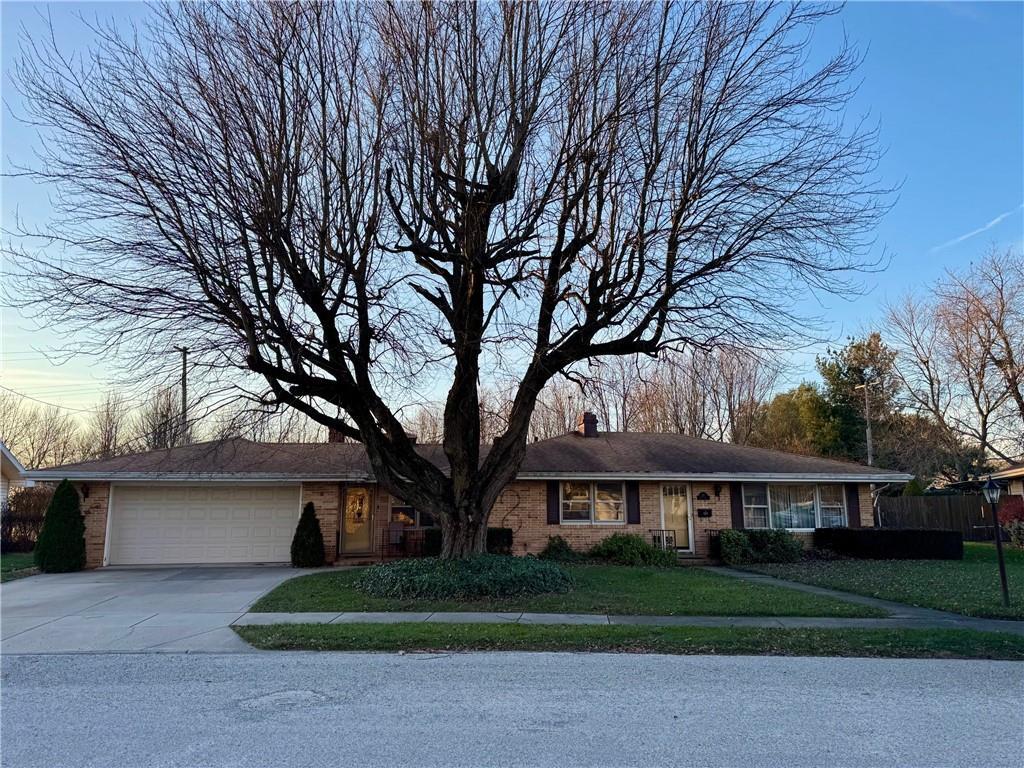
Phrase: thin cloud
pixel 979 230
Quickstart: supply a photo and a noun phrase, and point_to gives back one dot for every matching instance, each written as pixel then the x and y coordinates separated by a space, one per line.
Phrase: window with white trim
pixel 755 505
pixel 832 506
pixel 794 506
pixel 593 502
pixel 409 516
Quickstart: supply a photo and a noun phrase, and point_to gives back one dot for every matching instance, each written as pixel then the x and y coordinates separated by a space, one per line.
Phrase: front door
pixel 357 521
pixel 675 512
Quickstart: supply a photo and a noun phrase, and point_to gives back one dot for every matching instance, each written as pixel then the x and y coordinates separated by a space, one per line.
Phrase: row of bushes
pixel 619 548
pixel 21 518
pixel 483 576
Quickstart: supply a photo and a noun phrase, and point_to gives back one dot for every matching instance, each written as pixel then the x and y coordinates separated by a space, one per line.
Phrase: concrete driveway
pixel 132 609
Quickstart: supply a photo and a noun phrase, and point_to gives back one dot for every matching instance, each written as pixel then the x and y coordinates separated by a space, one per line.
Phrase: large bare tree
pixel 355 201
pixel 961 356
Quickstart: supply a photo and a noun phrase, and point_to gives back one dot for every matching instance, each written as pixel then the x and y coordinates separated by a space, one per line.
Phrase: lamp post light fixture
pixel 992 490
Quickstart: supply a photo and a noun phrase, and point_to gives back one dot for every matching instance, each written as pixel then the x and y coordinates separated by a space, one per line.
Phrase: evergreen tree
pixel 60 547
pixel 308 544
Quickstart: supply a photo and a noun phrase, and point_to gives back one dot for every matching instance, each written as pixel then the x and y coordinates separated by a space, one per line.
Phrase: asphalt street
pixel 543 709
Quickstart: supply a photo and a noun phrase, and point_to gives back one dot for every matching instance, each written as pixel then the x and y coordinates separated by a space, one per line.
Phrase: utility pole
pixel 867 421
pixel 184 392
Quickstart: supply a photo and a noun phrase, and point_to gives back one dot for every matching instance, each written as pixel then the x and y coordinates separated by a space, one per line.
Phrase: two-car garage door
pixel 178 524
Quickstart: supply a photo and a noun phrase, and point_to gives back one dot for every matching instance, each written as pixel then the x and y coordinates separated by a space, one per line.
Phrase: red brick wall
pixel 523 508
pixel 94 513
pixel 325 498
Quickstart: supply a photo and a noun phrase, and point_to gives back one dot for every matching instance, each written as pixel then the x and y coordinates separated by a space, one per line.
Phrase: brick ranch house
pixel 237 501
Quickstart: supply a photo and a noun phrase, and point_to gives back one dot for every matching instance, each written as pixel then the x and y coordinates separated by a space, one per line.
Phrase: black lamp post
pixel 992 490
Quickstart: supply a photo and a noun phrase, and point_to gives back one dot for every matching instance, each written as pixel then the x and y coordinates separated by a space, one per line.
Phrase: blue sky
pixel 945 81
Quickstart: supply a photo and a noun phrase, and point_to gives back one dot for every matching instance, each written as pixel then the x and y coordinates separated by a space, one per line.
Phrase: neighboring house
pixel 238 501
pixel 12 474
pixel 1013 477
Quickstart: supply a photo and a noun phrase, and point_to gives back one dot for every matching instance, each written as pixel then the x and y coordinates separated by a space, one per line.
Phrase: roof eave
pixel 750 477
pixel 181 477
pixel 1006 474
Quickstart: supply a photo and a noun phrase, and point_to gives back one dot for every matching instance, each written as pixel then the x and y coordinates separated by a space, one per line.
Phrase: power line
pixel 44 402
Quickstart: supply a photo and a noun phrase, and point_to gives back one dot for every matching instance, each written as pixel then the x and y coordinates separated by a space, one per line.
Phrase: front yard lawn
pixel 882 643
pixel 599 589
pixel 969 586
pixel 10 562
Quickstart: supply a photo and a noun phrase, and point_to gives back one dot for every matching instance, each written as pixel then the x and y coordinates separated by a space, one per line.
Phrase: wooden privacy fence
pixel 967 514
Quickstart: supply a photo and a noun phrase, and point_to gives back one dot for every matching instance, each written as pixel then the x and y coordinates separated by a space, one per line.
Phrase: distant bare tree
pixel 266 426
pixel 39 435
pixel 107 430
pixel 558 410
pixel 350 200
pixel 158 421
pixel 959 352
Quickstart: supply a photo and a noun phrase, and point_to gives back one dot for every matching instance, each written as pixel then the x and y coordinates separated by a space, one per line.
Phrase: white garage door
pixel 202 524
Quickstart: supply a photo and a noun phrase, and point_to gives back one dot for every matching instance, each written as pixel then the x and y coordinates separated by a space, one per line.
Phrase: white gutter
pixel 196 477
pixel 750 477
pixel 1006 474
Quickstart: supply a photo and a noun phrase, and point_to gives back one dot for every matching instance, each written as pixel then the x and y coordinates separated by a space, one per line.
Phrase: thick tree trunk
pixel 461 538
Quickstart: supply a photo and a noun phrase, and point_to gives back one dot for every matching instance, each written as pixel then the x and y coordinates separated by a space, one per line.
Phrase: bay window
pixel 794 506
pixel 593 502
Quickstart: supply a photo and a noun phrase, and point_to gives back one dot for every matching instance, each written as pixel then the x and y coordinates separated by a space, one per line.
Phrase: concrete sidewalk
pixel 901 616
pixel 945 621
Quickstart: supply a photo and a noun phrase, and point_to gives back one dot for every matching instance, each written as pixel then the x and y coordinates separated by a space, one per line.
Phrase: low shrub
pixel 759 546
pixel 1011 517
pixel 630 549
pixel 61 544
pixel 308 542
pixel 892 543
pixel 560 550
pixel 499 541
pixel 483 576
pixel 775 546
pixel 734 547
pixel 21 518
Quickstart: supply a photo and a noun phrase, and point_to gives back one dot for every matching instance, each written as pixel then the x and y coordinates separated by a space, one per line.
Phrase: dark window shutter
pixel 853 505
pixel 633 502
pixel 736 504
pixel 553 502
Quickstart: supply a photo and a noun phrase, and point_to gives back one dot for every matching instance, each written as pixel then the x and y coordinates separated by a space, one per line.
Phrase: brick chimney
pixel 335 435
pixel 588 424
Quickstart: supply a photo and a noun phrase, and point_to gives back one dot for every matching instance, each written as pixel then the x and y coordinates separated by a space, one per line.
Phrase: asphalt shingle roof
pixel 626 453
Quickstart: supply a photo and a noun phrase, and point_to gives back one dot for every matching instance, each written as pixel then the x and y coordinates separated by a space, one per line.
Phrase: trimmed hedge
pixel 61 544
pixel 891 543
pixel 759 546
pixel 483 576
pixel 499 541
pixel 308 543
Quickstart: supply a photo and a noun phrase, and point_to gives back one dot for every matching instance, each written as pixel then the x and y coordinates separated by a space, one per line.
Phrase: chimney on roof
pixel 413 437
pixel 588 424
pixel 335 435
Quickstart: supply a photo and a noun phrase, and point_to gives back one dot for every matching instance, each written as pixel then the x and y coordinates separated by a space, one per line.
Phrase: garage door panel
pixel 200 524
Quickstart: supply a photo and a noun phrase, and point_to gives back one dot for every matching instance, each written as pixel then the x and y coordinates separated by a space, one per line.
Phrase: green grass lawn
pixel 14 561
pixel 883 643
pixel 969 586
pixel 599 589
